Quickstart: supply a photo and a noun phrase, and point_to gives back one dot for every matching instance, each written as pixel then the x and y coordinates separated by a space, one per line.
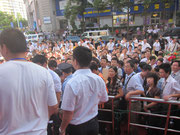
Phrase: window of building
pixel 155 18
pixel 122 19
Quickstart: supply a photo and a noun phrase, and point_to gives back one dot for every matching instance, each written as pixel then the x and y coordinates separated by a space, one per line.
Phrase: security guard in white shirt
pixel 83 92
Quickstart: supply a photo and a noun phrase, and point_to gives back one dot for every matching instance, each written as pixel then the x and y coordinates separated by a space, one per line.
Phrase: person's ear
pixel 4 50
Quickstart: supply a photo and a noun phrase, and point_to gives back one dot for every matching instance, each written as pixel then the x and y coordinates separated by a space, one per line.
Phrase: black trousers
pixel 90 127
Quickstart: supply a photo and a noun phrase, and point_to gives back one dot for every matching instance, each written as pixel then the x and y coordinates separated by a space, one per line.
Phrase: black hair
pixel 52 63
pixel 152 58
pixel 115 58
pixel 146 67
pixel 14 40
pixel 177 62
pixel 160 59
pixel 166 67
pixel 141 64
pixel 160 54
pixel 115 77
pixel 96 60
pixel 131 63
pixel 135 61
pixel 93 66
pixel 83 55
pixel 156 69
pixel 58 72
pixel 120 62
pixel 52 58
pixel 39 59
pixel 104 57
pixel 154 76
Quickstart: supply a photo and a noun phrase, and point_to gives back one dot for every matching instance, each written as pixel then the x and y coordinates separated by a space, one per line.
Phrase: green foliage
pixel 74 8
pixel 6 19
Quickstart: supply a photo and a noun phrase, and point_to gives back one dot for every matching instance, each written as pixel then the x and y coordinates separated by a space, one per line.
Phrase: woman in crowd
pixel 152 91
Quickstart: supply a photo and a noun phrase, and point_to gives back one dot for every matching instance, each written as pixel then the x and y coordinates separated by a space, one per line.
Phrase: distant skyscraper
pixel 13 7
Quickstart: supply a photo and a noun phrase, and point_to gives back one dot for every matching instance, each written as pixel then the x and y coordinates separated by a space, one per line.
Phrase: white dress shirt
pixel 144 46
pixel 83 92
pixel 171 86
pixel 157 46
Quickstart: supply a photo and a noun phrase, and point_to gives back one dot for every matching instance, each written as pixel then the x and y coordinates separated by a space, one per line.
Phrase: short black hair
pixel 160 59
pixel 146 67
pixel 115 58
pixel 131 63
pixel 152 58
pixel 39 59
pixel 104 57
pixel 154 76
pixel 141 64
pixel 83 55
pixel 93 66
pixel 166 67
pixel 120 62
pixel 52 63
pixel 177 62
pixel 14 40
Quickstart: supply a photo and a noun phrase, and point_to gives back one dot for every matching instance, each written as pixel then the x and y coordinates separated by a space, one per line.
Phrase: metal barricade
pixel 109 110
pixel 170 103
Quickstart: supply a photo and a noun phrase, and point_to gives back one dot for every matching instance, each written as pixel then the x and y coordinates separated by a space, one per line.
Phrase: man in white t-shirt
pixel 110 45
pixel 156 47
pixel 145 45
pixel 27 95
pixel 82 94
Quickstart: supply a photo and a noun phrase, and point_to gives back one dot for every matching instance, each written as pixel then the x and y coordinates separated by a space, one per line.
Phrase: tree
pixel 75 8
pixel 99 5
pixel 5 20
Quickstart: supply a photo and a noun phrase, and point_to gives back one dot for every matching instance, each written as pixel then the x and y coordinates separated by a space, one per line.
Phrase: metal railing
pixel 170 103
pixel 109 110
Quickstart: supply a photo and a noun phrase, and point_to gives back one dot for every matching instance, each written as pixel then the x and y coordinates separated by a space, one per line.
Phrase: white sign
pixel 62 4
pixel 47 20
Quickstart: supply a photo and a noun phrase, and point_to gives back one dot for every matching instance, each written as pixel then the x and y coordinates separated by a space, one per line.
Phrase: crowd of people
pixel 80 75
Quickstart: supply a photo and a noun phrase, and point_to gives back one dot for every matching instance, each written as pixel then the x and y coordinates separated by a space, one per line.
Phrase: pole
pixel 17 20
pixel 175 2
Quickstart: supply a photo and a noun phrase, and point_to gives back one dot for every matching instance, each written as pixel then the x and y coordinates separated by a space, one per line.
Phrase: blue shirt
pixel 64 84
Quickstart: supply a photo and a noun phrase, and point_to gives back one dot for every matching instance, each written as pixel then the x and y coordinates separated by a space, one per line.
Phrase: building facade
pixel 13 7
pixel 41 15
pixel 48 15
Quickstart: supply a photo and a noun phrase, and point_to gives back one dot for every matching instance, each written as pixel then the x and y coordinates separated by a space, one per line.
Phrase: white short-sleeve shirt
pixel 171 86
pixel 26 91
pixel 56 79
pixel 82 95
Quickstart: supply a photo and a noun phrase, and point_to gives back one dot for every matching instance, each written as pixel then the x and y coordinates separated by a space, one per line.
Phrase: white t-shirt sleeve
pixel 52 99
pixel 57 83
pixel 69 99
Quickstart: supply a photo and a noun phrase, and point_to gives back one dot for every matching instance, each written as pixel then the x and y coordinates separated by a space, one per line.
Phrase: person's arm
pixel 166 98
pixel 52 109
pixel 67 117
pixel 136 92
pixel 151 104
pixel 120 94
pixel 58 95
